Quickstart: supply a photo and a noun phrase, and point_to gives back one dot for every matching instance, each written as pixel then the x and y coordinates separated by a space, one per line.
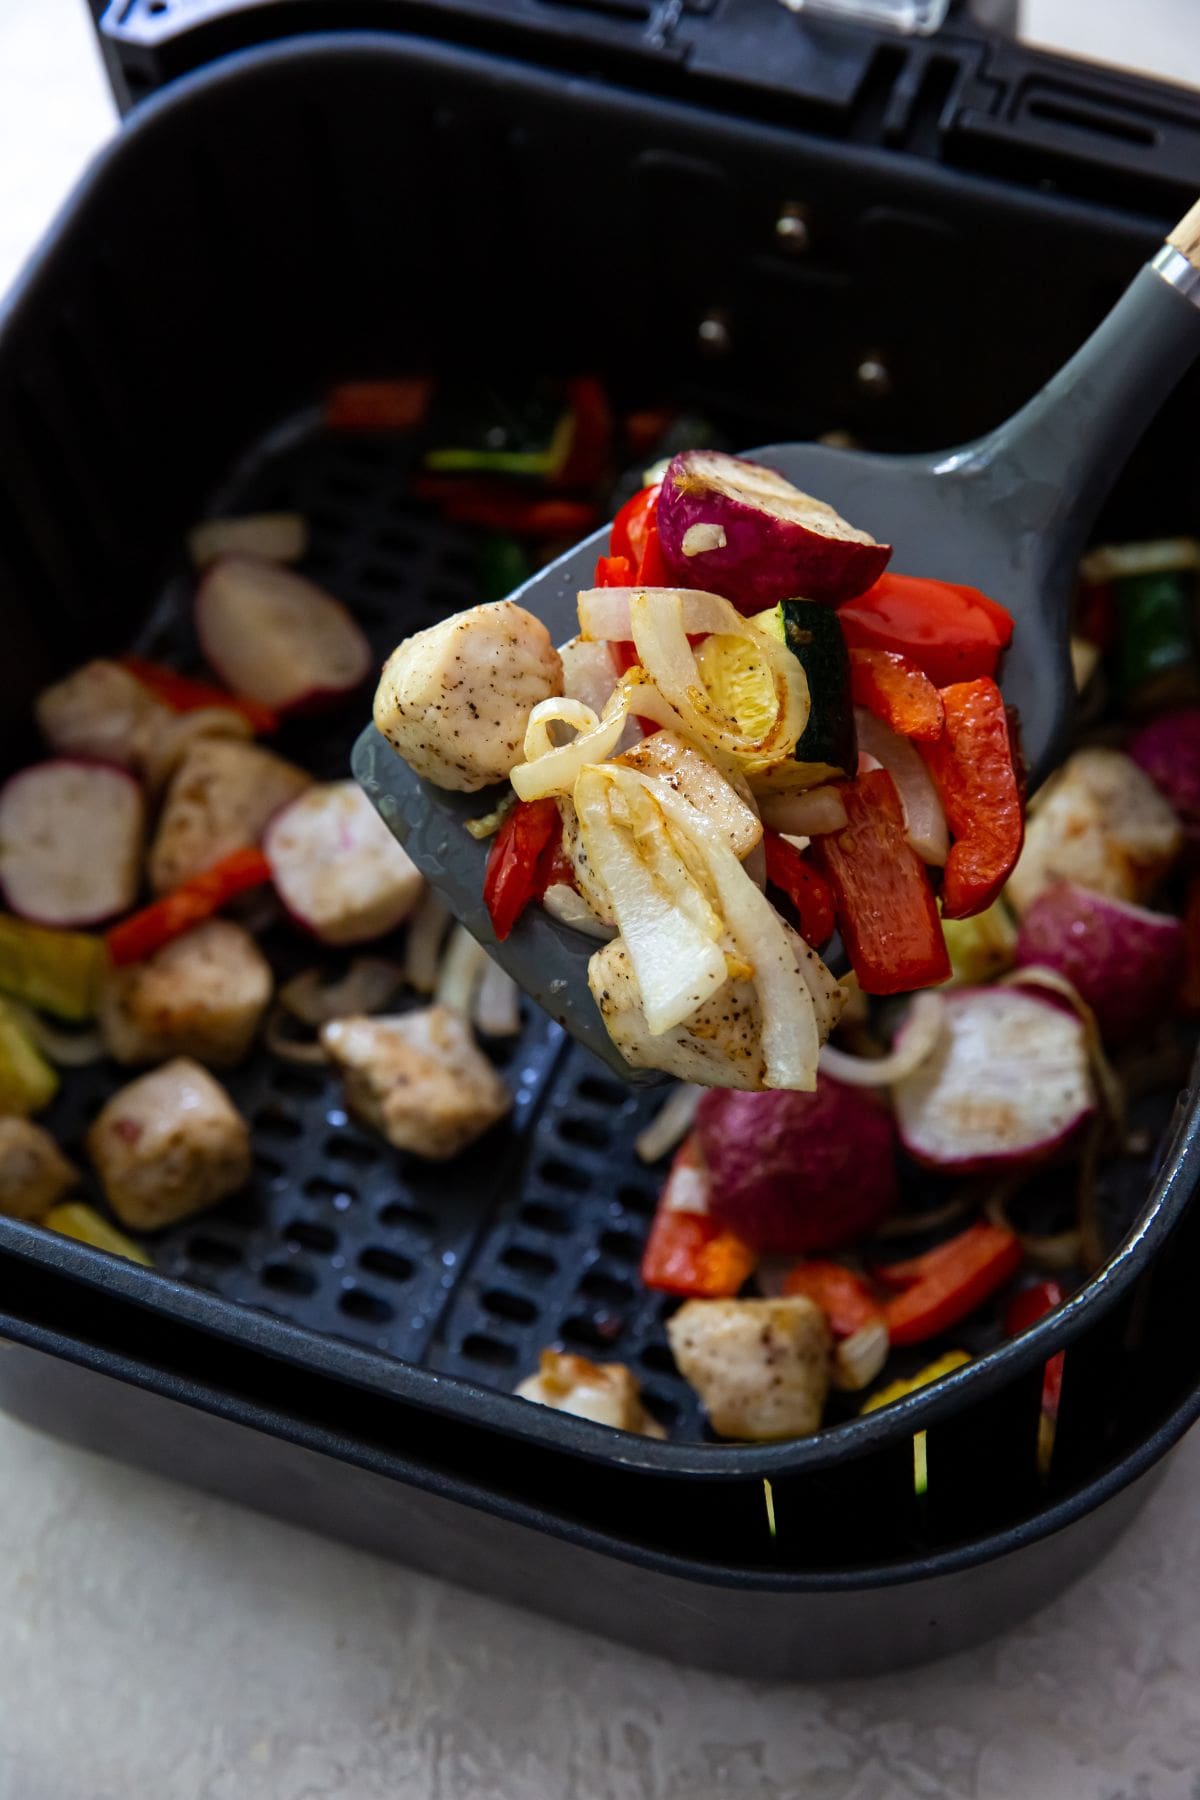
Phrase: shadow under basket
pixel 338 1345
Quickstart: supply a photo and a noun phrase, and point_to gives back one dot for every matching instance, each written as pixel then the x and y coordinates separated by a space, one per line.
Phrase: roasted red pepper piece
pixel 526 832
pixel 973 769
pixel 1024 1310
pixel 652 570
pixel 184 695
pixel 498 506
pixel 378 405
pixel 806 887
pixel 144 932
pixel 885 907
pixel 844 1297
pixel 948 1282
pixel 591 434
pixel 613 571
pixel 896 691
pixel 951 632
pixel 631 527
pixel 692 1253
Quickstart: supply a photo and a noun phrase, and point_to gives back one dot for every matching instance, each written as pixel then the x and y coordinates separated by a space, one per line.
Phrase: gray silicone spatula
pixel 1009 513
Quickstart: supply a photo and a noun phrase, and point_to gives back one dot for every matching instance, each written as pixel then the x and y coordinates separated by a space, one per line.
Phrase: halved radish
pixel 71 835
pixel 276 537
pixel 1007 1085
pixel 765 540
pixel 337 868
pixel 1125 962
pixel 275 637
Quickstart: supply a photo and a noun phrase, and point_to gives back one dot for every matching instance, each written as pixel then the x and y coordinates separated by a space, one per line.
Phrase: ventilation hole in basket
pixel 270 1166
pixel 621 1244
pixel 591 1333
pixel 546 1218
pixel 286 1278
pixel 482 1349
pixel 359 1303
pixel 658 1357
pixel 509 1306
pixel 306 1234
pixel 214 1252
pixel 351 1150
pixel 276 1122
pixel 638 1199
pixel 562 1175
pixel 319 1187
pixel 603 1093
pixel 594 1133
pixel 529 1262
pixel 297 1084
pixel 610 1289
pixel 660 1407
pixel 410 1217
pixel 388 1263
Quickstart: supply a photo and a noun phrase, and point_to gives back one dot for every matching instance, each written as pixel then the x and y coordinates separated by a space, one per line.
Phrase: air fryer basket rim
pixel 304 1348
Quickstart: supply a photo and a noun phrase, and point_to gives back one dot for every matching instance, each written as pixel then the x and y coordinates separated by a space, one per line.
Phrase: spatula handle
pixel 1186 236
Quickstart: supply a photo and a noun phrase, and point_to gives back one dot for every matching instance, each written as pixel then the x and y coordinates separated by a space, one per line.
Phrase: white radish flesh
pixel 71 837
pixel 337 868
pixel 275 537
pixel 275 637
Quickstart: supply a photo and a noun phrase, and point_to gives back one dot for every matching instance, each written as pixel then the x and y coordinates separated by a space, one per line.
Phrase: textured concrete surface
pixel 156 1644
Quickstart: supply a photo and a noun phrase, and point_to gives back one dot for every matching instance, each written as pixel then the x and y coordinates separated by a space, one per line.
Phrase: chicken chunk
pixel 101 711
pixel 170 1144
pixel 202 995
pixel 605 1392
pixel 337 868
pixel 761 1367
pixel 419 1078
pixel 454 700
pixel 220 799
pixel 1102 823
pixel 34 1173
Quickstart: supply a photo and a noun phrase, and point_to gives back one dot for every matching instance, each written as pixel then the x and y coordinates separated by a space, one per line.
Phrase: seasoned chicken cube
pixel 201 995
pixel 101 711
pixel 605 1392
pixel 761 1367
pixel 220 799
pixel 34 1173
pixel 168 1145
pixel 454 700
pixel 419 1078
pixel 1102 823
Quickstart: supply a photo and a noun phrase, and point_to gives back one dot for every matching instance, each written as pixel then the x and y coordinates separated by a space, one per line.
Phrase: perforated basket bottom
pixel 534 1236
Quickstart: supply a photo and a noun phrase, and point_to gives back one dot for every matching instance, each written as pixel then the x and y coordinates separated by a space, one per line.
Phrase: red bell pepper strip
pixel 591 435
pixel 843 1296
pixel 495 505
pixel 953 633
pixel 631 526
pixel 896 691
pixel 140 935
pixel 692 1253
pixel 511 880
pixel 885 907
pixel 806 887
pixel 652 570
pixel 378 405
pixel 613 571
pixel 1024 1310
pixel 974 772
pixel 948 1282
pixel 1189 993
pixel 183 695
pixel 645 429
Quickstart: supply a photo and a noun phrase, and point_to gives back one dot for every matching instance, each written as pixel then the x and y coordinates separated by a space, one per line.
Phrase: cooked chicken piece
pixel 337 868
pixel 671 759
pixel 34 1173
pixel 1100 822
pixel 605 1392
pixel 168 1145
pixel 201 995
pixel 720 1045
pixel 592 889
pixel 419 1078
pixel 454 700
pixel 220 799
pixel 761 1367
pixel 101 711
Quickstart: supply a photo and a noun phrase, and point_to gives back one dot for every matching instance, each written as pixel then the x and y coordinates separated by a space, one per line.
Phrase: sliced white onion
pixel 699 538
pixel 687 1190
pixel 423 944
pixel 924 820
pixel 670 1125
pixel 278 1038
pixel 368 986
pixel 811 814
pixel 858 1359
pixel 461 972
pixel 62 1046
pixel 570 908
pixel 497 1004
pixel 551 768
pixel 916 1042
pixel 604 612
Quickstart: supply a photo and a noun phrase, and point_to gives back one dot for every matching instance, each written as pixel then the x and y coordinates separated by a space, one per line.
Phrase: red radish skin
pixel 795 1173
pixel 1126 962
pixel 769 541
pixel 274 637
pixel 337 868
pixel 1168 749
pixel 1007 1087
pixel 71 840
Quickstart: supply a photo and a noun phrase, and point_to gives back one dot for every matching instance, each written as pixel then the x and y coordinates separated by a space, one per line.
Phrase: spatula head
pixel 952 516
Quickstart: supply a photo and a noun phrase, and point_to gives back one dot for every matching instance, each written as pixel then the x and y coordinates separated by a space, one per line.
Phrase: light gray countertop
pixel 156 1645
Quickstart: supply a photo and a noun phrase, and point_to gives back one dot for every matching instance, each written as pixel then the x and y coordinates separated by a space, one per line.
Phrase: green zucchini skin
pixel 814 636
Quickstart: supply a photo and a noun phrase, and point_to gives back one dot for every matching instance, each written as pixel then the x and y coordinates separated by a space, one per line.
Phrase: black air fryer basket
pixel 339 1344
